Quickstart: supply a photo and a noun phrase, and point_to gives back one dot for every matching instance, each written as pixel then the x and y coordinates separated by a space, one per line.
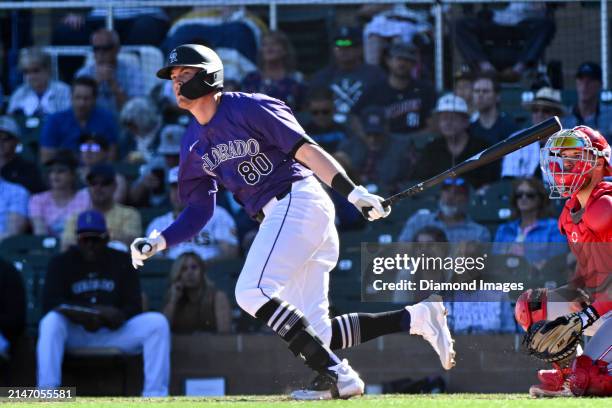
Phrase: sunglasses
pixel 527 194
pixel 317 112
pixel 543 110
pixel 454 182
pixel 34 70
pixel 103 183
pixel 90 147
pixel 104 47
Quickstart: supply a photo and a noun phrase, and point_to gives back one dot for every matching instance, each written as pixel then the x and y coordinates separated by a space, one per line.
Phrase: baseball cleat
pixel 341 381
pixel 428 319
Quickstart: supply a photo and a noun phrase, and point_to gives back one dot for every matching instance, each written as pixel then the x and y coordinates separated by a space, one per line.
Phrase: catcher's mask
pixel 207 80
pixel 531 307
pixel 570 156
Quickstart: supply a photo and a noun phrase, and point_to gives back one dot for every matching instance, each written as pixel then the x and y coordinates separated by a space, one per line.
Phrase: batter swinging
pixel 254 147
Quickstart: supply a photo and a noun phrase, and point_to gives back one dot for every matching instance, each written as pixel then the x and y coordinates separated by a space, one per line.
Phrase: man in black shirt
pixel 92 299
pixel 456 145
pixel 407 101
pixel 13 167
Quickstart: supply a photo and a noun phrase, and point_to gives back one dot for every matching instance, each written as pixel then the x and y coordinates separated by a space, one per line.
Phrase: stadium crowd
pixel 89 155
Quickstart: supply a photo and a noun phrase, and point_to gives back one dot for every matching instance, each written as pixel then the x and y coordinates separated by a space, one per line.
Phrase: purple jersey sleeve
pixel 275 122
pixel 197 191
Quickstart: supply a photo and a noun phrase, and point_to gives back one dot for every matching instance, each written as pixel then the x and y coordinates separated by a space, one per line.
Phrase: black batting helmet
pixel 195 56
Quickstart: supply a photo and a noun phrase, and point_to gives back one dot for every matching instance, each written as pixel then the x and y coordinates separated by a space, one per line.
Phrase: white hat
pixel 173 175
pixel 170 139
pixel 451 103
pixel 547 97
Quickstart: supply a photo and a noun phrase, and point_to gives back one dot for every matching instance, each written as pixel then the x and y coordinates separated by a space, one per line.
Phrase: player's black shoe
pixel 340 381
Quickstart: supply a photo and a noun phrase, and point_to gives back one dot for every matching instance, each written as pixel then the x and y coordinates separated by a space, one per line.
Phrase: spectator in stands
pixel 380 160
pixel 525 162
pixel 277 76
pixel 457 144
pixel 13 167
pixel 12 309
pixel 150 189
pixel 463 87
pixel 532 233
pixel 589 110
pixel 135 25
pixel 193 303
pixel 50 210
pixel 91 299
pixel 226 27
pixel 393 22
pixel 529 21
pixel 39 95
pixel 13 209
pixel 451 216
pixel 407 101
pixel 491 125
pixel 322 127
pixel 117 81
pixel 217 240
pixel 141 122
pixel 64 129
pixel 94 150
pixel 123 222
pixel 348 76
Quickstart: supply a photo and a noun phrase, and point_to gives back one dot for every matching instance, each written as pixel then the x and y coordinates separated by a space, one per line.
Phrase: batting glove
pixel 370 205
pixel 144 248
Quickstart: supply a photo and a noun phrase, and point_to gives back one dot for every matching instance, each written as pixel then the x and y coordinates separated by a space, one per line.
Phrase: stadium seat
pixel 155 281
pixel 148 214
pixel 25 244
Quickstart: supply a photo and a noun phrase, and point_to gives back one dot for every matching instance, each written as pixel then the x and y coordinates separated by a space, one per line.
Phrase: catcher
pixel 574 162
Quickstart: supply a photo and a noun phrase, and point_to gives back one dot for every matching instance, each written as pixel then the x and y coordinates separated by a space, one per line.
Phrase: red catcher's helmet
pixel 531 307
pixel 567 174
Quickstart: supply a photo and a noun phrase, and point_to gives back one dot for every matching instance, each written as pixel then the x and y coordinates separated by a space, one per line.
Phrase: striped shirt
pixel 55 98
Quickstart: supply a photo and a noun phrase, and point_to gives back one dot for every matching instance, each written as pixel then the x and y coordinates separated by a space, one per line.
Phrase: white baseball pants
pixel 291 257
pixel 148 333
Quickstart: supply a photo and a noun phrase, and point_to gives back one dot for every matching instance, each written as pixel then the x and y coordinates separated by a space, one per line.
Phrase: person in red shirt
pixel 575 162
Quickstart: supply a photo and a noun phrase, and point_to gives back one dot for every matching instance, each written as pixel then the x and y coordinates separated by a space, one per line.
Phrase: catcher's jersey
pixel 248 147
pixel 593 249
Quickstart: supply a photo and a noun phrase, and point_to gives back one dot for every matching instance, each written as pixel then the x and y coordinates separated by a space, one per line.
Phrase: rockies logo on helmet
pixel 210 75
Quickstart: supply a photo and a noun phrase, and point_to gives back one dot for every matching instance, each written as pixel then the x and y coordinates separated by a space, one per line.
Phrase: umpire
pixel 92 299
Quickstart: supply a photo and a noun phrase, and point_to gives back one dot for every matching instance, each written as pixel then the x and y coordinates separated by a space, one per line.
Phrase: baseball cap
pixel 91 221
pixel 104 171
pixel 373 119
pixel 170 139
pixel 173 175
pixel 403 50
pixel 547 97
pixel 347 37
pixel 8 125
pixel 451 103
pixel 63 158
pixel 590 70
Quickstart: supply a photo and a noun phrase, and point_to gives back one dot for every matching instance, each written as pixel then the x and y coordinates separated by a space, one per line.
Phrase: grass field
pixel 386 401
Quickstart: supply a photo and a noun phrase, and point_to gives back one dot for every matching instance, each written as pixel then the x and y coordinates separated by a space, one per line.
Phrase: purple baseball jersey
pixel 247 146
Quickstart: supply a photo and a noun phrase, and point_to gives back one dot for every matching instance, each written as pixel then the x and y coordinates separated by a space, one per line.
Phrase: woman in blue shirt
pixel 532 233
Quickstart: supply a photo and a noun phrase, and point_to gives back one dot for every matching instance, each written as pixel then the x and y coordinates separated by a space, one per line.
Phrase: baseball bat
pixel 519 140
pixel 144 247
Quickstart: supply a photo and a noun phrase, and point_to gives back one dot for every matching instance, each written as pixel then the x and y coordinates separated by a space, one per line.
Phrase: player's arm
pixel 599 215
pixel 332 174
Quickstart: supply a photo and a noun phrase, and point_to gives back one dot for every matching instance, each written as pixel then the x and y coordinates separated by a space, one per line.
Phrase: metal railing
pixel 437 5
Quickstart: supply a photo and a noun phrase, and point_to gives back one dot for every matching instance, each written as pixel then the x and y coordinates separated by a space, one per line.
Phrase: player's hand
pixel 370 205
pixel 144 248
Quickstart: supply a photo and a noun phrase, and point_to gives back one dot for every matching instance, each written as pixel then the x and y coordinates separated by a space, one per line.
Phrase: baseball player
pixel 574 162
pixel 253 145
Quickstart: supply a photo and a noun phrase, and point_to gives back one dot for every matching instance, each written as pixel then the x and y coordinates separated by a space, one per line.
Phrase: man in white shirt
pixel 38 95
pixel 217 240
pixel 525 162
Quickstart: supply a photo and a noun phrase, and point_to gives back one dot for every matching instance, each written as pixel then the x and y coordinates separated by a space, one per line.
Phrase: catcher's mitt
pixel 553 344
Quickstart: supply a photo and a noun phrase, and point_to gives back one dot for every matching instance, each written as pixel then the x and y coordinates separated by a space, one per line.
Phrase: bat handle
pixel 144 247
